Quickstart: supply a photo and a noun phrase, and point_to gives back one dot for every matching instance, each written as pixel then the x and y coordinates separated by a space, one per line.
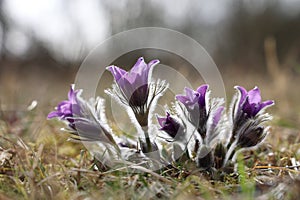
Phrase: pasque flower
pixel 201 129
pixel 248 128
pixel 134 84
pixel 68 108
pixel 169 125
pixel 193 98
pixel 133 89
pixel 82 118
pixel 195 103
pixel 247 106
pixel 250 102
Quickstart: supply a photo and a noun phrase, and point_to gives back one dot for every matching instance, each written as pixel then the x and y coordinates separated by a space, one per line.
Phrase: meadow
pixel 37 161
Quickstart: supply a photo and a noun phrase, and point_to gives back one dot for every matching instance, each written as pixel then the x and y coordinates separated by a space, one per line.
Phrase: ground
pixel 38 162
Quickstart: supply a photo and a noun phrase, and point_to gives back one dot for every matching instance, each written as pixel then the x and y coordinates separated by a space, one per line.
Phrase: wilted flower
pixel 169 125
pixel 195 103
pixel 250 102
pixel 134 84
pixel 68 108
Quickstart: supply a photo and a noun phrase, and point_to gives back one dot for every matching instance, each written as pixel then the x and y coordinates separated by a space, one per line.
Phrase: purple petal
pixel 243 93
pixel 249 109
pixel 161 120
pixel 189 93
pixel 254 95
pixel 76 110
pixel 116 72
pixel 266 104
pixel 218 115
pixel 66 108
pixel 183 99
pixel 53 114
pixel 62 104
pixel 202 89
pixel 134 84
pixel 152 63
pixel 132 77
pixel 126 87
pixel 139 66
pixel 71 93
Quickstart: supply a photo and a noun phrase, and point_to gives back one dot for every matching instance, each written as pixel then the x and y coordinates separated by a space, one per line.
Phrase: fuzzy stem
pixel 232 138
pixel 147 138
pixel 231 151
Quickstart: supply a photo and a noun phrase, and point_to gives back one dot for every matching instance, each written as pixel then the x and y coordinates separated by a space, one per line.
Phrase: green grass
pixel 37 162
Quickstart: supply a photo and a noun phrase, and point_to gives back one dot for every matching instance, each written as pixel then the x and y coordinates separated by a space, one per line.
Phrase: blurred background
pixel 42 44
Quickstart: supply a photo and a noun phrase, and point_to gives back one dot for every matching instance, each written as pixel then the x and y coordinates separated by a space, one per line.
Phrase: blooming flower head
pixel 250 102
pixel 66 109
pixel 195 103
pixel 193 98
pixel 169 125
pixel 134 83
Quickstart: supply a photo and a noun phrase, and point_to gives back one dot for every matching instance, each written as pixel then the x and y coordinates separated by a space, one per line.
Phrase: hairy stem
pixel 148 141
pixel 230 153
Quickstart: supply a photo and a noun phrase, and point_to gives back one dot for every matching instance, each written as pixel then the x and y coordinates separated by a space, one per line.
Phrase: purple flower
pixel 195 103
pixel 66 109
pixel 134 84
pixel 193 98
pixel 250 102
pixel 169 125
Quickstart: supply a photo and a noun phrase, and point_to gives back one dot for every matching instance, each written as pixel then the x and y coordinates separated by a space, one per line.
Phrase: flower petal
pixel 249 109
pixel 189 93
pixel 152 63
pixel 161 121
pixel 54 114
pixel 183 99
pixel 217 115
pixel 266 104
pixel 116 72
pixel 139 66
pixel 71 94
pixel 254 95
pixel 202 89
pixel 243 94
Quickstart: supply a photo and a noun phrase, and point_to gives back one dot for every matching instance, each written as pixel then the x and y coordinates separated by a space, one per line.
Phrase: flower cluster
pixel 197 127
